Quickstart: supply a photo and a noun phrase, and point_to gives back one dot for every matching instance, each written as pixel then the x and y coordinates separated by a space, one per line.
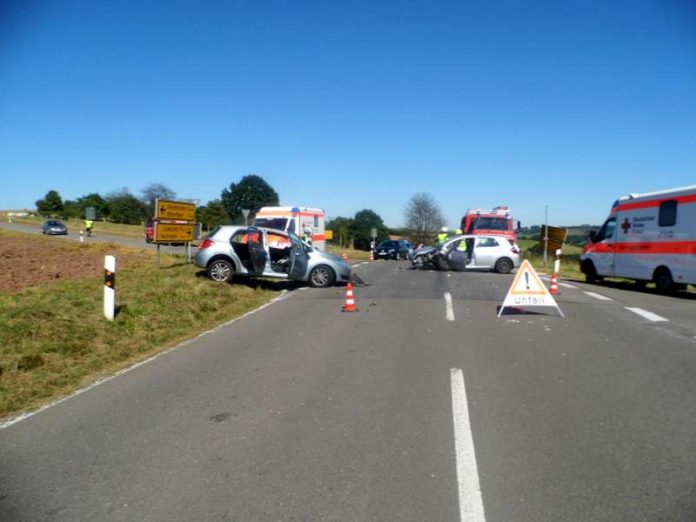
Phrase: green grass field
pixel 55 338
pixel 570 259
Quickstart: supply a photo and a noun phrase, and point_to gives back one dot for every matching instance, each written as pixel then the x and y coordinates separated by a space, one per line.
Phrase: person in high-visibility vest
pixel 88 226
pixel 307 236
pixel 442 236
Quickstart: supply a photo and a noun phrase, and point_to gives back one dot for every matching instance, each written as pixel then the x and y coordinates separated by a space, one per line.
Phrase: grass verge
pixel 570 260
pixel 54 338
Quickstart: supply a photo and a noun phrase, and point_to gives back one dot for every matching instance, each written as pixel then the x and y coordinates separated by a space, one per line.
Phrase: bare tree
pixel 423 216
pixel 156 191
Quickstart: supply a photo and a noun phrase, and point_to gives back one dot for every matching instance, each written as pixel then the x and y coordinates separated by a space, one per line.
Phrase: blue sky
pixel 351 105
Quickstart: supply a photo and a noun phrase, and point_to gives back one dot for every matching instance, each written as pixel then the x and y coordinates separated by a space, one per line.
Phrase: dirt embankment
pixel 32 261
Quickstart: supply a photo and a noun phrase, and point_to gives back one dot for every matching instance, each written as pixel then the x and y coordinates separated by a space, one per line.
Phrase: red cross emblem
pixel 626 226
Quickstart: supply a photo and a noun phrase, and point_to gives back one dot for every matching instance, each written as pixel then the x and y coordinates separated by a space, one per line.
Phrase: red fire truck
pixel 497 221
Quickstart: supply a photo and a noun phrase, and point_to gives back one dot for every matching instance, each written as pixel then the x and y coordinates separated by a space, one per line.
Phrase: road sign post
pixel 174 222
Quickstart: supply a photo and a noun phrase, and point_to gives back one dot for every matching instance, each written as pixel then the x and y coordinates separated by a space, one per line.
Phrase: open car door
pixel 459 256
pixel 257 251
pixel 299 258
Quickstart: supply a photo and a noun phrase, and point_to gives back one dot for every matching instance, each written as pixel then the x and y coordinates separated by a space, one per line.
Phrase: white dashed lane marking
pixel 598 296
pixel 448 306
pixel 470 499
pixel 646 315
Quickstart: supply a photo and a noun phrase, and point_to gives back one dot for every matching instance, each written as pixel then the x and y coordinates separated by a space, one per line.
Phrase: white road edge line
pixel 470 499
pixel 566 285
pixel 448 305
pixel 646 315
pixel 598 296
pixel 23 416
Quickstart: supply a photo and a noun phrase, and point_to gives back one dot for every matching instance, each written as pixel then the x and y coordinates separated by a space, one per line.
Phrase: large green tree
pixel 363 222
pixel 212 214
pixel 342 230
pixel 96 201
pixel 71 209
pixel 51 204
pixel 126 208
pixel 252 192
pixel 423 217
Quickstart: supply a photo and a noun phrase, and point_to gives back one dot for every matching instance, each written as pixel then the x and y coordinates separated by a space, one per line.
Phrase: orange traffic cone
pixel 554 284
pixel 350 300
pixel 372 256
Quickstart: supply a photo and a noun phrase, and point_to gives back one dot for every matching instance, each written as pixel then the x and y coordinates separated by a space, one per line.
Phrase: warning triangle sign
pixel 527 290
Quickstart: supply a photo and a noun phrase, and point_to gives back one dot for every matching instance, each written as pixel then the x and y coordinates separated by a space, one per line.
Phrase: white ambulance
pixel 647 237
pixel 307 223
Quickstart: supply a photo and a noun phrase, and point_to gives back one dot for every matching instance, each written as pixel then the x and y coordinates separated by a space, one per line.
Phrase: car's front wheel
pixel 221 271
pixel 321 276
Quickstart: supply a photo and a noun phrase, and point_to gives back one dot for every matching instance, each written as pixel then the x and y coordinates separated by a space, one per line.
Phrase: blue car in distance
pixel 393 249
pixel 54 227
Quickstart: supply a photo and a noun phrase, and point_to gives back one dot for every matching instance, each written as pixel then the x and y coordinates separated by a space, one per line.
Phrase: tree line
pixel 422 215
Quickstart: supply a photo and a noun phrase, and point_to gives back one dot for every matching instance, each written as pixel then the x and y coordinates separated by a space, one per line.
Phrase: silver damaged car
pixel 231 251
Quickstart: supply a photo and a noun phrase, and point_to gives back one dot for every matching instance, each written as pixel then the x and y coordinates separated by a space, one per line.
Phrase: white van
pixel 647 237
pixel 307 223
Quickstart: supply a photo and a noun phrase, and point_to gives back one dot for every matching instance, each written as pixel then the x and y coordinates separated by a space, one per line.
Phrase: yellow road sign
pixel 173 233
pixel 328 235
pixel 178 210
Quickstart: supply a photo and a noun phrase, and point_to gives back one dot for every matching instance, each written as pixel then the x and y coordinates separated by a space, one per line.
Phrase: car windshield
pixel 490 223
pixel 54 223
pixel 389 244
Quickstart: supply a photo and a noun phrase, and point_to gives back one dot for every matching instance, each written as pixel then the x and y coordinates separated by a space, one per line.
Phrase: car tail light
pixel 206 243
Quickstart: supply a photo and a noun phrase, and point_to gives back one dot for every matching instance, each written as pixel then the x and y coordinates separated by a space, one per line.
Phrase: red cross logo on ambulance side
pixel 626 226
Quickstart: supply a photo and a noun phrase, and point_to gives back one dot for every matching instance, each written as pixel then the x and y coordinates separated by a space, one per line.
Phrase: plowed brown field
pixel 32 261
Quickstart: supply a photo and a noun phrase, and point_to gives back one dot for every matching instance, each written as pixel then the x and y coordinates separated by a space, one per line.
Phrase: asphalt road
pixel 74 235
pixel 302 412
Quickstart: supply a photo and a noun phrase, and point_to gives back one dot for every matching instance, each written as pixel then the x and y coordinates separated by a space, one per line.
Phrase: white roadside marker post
pixel 109 287
pixel 557 263
pixel 82 237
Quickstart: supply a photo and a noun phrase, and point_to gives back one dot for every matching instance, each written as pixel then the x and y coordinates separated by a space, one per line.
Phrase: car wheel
pixel 441 264
pixel 503 266
pixel 663 280
pixel 221 271
pixel 321 276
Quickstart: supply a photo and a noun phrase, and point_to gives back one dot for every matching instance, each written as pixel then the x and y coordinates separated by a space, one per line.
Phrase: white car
pixel 487 252
pixel 231 251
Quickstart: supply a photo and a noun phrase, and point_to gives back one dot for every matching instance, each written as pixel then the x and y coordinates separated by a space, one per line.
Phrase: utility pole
pixel 546 234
